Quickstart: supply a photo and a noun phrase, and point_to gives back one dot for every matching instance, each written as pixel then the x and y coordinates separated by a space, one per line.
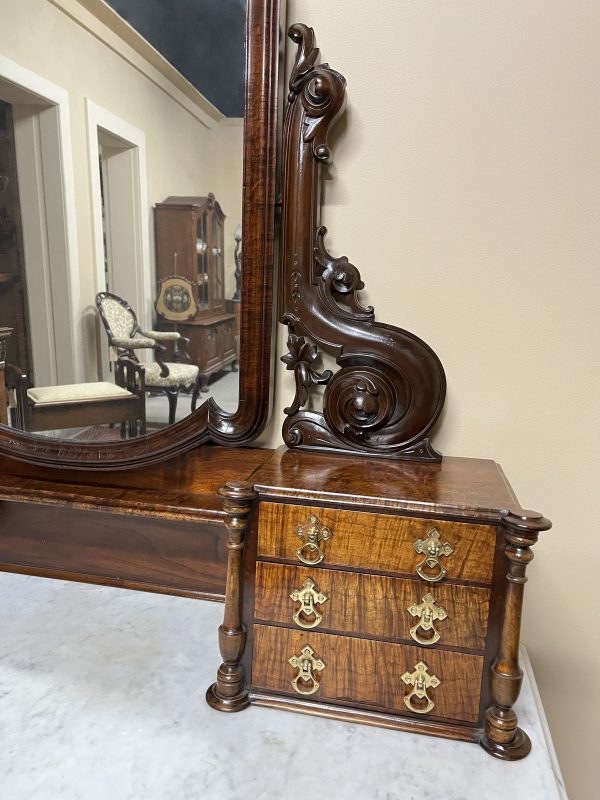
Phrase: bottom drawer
pixel 368 673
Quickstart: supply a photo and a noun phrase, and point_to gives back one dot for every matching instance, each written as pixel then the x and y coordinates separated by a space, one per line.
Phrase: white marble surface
pixel 102 696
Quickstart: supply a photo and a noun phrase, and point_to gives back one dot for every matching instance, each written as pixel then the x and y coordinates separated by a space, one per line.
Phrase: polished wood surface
pixel 184 488
pixel 368 673
pixel 158 529
pixel 210 423
pixel 229 692
pixel 502 737
pixel 364 634
pixel 163 555
pixel 390 386
pixel 458 487
pixel 380 542
pixel 449 730
pixel 375 605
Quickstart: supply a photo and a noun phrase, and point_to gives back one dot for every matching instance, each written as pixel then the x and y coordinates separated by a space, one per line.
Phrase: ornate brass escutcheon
pixel 433 550
pixel 421 680
pixel 307 615
pixel 428 612
pixel 312 532
pixel 305 663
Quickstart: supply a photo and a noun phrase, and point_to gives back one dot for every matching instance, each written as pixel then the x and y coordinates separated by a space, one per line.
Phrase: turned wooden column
pixel 502 737
pixel 229 693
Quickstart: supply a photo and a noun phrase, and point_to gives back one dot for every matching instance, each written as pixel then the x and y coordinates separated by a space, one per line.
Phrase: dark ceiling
pixel 203 39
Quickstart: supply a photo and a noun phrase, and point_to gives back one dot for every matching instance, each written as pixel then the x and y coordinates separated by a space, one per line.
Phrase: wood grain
pixel 471 488
pixel 372 605
pixel 368 673
pixel 379 542
pixel 168 556
pixel 184 488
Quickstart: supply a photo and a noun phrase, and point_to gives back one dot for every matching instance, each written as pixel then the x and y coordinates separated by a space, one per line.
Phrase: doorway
pixel 13 282
pixel 120 208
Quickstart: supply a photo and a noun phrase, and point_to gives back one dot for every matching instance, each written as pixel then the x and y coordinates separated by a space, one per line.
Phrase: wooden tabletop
pixel 462 487
pixel 184 487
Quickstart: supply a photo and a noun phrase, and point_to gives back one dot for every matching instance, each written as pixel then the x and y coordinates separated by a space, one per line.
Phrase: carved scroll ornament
pixel 390 388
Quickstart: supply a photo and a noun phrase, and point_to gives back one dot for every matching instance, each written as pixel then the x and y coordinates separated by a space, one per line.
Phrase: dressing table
pixel 427 553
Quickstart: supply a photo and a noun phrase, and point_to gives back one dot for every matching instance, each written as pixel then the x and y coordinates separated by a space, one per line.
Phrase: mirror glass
pixel 121 159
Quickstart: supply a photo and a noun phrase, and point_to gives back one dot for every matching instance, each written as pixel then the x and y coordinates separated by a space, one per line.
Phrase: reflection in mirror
pixel 121 157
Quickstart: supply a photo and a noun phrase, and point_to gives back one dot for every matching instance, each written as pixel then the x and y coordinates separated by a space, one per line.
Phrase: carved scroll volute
pixel 390 387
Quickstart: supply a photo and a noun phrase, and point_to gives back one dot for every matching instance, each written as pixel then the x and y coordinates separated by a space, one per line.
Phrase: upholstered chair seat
pixel 126 336
pixel 184 375
pixel 75 393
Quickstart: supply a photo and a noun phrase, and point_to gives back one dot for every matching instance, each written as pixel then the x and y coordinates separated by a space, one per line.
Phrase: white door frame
pixel 129 204
pixel 46 183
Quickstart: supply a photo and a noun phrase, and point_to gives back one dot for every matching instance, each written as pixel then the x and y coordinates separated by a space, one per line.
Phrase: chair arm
pixel 136 343
pixel 18 381
pixel 130 375
pixel 163 336
pixel 15 377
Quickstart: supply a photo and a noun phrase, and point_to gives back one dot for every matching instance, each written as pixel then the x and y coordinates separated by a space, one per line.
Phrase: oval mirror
pixel 135 270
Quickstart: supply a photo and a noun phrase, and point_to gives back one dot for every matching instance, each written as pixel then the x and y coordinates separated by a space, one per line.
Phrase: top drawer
pixel 430 549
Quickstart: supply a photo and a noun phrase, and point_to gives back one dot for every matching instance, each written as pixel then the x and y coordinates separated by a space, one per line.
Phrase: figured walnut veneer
pixel 159 529
pixel 367 575
pixel 375 605
pixel 368 673
pixel 379 542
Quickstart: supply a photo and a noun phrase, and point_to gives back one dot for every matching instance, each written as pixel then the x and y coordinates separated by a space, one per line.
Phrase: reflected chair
pixel 126 336
pixel 79 405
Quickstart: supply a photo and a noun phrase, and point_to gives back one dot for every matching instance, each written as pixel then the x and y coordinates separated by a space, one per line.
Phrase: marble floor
pixel 102 696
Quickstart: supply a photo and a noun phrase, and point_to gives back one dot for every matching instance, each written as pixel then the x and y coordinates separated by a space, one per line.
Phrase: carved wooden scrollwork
pixel 390 387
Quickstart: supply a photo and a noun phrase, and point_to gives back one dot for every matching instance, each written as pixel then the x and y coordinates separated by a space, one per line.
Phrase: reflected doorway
pixel 13 283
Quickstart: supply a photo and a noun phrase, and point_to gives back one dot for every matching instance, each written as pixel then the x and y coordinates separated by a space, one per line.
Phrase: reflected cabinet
pixel 190 245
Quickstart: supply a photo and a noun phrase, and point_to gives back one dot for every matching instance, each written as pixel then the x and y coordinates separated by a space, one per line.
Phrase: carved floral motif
pixel 299 358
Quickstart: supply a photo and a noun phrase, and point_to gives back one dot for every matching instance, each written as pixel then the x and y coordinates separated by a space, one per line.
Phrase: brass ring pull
pixel 420 680
pixel 312 532
pixel 427 612
pixel 308 596
pixel 433 549
pixel 310 547
pixel 305 663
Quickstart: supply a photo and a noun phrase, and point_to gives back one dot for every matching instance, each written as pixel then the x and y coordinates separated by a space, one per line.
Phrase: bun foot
pixel 230 704
pixel 514 750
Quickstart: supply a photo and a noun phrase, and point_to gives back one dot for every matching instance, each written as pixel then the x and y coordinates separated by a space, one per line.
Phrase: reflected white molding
pixel 50 177
pixel 136 284
pixel 111 29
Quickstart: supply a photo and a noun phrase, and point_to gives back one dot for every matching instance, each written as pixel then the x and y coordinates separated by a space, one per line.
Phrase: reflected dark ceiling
pixel 203 39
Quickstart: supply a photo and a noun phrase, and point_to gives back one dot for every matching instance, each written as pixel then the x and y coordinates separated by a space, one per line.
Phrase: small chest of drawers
pixel 384 593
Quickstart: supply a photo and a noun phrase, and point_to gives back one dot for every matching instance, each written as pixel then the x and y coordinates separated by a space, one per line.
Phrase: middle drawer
pixel 373 605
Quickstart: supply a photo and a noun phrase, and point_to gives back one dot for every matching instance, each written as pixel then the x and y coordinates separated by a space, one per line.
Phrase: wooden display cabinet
pixel 190 244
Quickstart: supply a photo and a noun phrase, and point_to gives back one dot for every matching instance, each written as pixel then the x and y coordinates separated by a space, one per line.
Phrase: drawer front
pixel 373 605
pixel 227 335
pixel 378 675
pixel 379 542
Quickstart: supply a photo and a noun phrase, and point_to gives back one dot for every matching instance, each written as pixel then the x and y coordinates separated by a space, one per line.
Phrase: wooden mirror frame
pixel 210 423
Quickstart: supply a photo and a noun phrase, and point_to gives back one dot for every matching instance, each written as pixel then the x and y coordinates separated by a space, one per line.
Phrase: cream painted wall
pixel 185 151
pixel 232 164
pixel 466 187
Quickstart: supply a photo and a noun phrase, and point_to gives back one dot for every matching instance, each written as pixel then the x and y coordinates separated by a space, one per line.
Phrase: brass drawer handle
pixel 433 549
pixel 312 532
pixel 420 680
pixel 305 663
pixel 427 612
pixel 308 596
